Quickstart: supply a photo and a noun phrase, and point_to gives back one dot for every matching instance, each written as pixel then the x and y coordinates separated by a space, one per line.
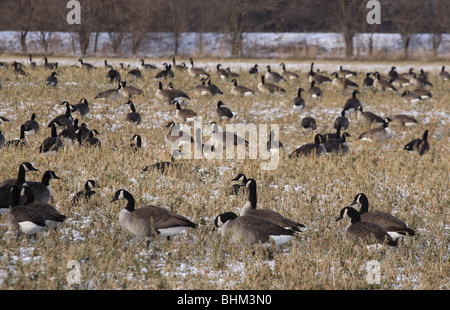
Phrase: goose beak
pixel 114 199
pixel 339 218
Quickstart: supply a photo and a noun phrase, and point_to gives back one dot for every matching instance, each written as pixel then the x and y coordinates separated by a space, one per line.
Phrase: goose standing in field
pixel 395 227
pixel 346 73
pixel 64 120
pixel 136 144
pixel 368 81
pixel 250 209
pixel 22 219
pixel 82 107
pixel 337 146
pixel 404 120
pixel 240 180
pixel 308 122
pixel 223 112
pixel 368 116
pixel 273 77
pixel 364 233
pixel 32 63
pixel 183 114
pixel 399 82
pixel 318 78
pixel 149 221
pixel 52 80
pixel 423 93
pixel 343 82
pixel 52 143
pixel 232 74
pixel 381 84
pixel 223 137
pixel 378 134
pixel 352 104
pixel 314 91
pixel 213 88
pixel 133 116
pixel 251 229
pixel 145 66
pixel 316 149
pixel 128 91
pixel 196 72
pixel 176 136
pixel 273 145
pixel 50 65
pixel 85 65
pixel 239 90
pixel 299 103
pixel 288 75
pixel 90 140
pixel 170 94
pixel 111 94
pixel 203 90
pixel 253 70
pixel 341 121
pixel 86 193
pixel 41 190
pixel 22 141
pixel 269 88
pixel 393 74
pixel 70 132
pixel 180 67
pixel 221 73
pixel 135 73
pixel 166 72
pixel 32 124
pixel 408 97
pixel 444 75
pixel 420 146
pixel 113 75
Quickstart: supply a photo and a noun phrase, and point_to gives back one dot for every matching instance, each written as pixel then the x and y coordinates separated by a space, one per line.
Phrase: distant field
pixel 310 190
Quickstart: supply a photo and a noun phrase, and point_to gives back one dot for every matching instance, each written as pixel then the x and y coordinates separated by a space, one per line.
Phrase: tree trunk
pixel 23 40
pixel 348 40
pixel 405 46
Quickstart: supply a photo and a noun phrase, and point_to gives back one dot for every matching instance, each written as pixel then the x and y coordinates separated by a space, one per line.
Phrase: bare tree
pixel 439 23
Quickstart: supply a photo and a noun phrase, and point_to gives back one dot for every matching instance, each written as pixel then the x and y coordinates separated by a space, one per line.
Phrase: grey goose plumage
pixel 196 72
pixel 299 102
pixel 421 146
pixel 22 141
pixel 32 124
pixel 41 190
pixel 404 120
pixel 52 80
pixel 223 112
pixel 269 88
pixel 308 122
pixel 395 227
pixel 149 221
pixel 273 77
pixel 86 193
pixel 184 114
pixel 133 116
pixel 66 119
pixel 314 91
pixel 316 149
pixel 52 143
pixel 378 134
pixel 82 107
pixel 170 94
pixel 288 75
pixel 239 90
pixel 444 75
pixel 341 121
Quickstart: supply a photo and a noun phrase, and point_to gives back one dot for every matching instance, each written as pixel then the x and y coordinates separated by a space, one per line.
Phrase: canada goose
pixel 145 66
pixel 404 120
pixel 381 84
pixel 223 112
pixel 135 73
pixel 85 65
pixel 203 90
pixel 332 135
pixel 342 82
pixel 399 82
pixel 18 69
pixel 273 77
pixel 273 145
pixel 82 107
pixel 423 93
pixel 111 94
pixel 241 180
pixel 444 75
pixel 341 121
pixel 368 81
pixel 23 219
pixel 222 137
pixel 420 146
pixel 346 73
pixel 269 88
pixel 137 143
pixel 250 209
pixel 177 135
pixel 251 229
pixel 128 91
pixel 181 67
pixel 166 73
pixel 2 139
pixel 52 143
pixel 162 166
pixel 90 140
pixel 378 134
pixel 368 116
pixel 232 74
pixel 52 80
pixel 196 72
pixel 418 82
pixel 52 217
pixel 288 75
pixel 239 90
pixel 133 116
pixel 108 66
pixel 408 74
pixel 393 74
pixel 84 131
pixel 337 146
pixel 221 73
pixel 299 103
pixel 86 193
pixel 41 190
pixel 150 221
pixel 213 88
pixel 423 76
pixel 314 91
pixel 22 141
pixel 318 78
pixel 308 122
pixel 408 97
pixel 70 132
pixel 65 119
pixel 183 114
pixel 352 104
pixel 50 65
pixel 170 94
pixel 32 63
pixel 395 227
pixel 32 124
pixel 317 148
pixel 113 75
pixel 253 70
pixel 364 233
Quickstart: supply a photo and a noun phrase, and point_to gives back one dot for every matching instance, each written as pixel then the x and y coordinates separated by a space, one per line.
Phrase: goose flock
pixel 26 204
